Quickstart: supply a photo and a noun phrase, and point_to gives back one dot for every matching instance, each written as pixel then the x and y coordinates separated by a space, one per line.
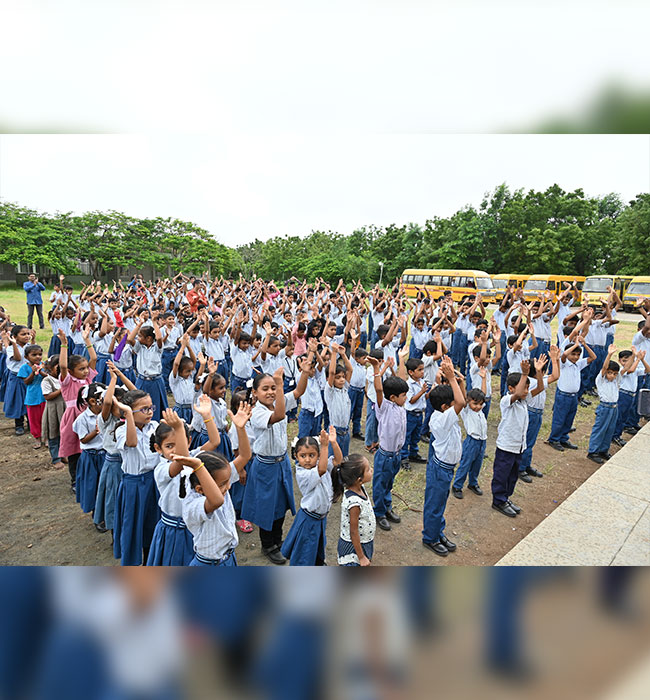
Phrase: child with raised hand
pixel 337 398
pixel 445 449
pixel 415 405
pixel 269 486
pixel 172 542
pixel 181 380
pixel 358 523
pixel 306 541
pixel 391 428
pixel 111 470
pixel 122 353
pixel 136 506
pixel 608 381
pixel 54 409
pixel 147 343
pixel 32 373
pixel 536 401
pixel 633 365
pixel 75 373
pixel 208 510
pixel 511 441
pixel 15 388
pixel 92 451
pixel 237 489
pixel 214 387
pixel 475 422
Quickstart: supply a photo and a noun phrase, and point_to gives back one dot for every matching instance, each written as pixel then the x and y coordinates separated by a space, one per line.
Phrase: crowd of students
pixel 177 485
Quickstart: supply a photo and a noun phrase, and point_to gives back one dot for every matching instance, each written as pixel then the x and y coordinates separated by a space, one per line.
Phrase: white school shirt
pixel 219 414
pixel 538 401
pixel 242 363
pixel 15 365
pixel 414 388
pixel 214 349
pixel 628 380
pixel 272 362
pixel 569 380
pixel 542 327
pixel 475 423
pixel 312 400
pixel 516 358
pixel 448 442
pixel 126 358
pixel 139 459
pixel 500 317
pixel 196 344
pixel 291 371
pixel 182 389
pixel 214 533
pixel 420 338
pixel 270 440
pixel 234 437
pixel 169 343
pixel 358 378
pixel 370 383
pixel 339 405
pixel 83 425
pixel 563 311
pixel 102 343
pixel 511 433
pixel 316 490
pixel 430 369
pixel 597 334
pixel 640 342
pixel 390 349
pixel 170 501
pixel 107 431
pixel 477 380
pixel 608 391
pixel 148 360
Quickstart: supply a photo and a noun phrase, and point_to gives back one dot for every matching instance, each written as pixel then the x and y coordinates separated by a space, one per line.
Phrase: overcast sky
pixel 243 187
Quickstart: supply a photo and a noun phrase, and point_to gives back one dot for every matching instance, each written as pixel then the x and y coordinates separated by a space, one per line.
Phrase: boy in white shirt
pixel 448 401
pixel 511 441
pixel 415 405
pixel 607 383
pixel 633 366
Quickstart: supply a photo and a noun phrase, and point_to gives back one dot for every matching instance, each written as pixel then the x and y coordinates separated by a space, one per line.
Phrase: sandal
pixel 245 525
pixel 58 465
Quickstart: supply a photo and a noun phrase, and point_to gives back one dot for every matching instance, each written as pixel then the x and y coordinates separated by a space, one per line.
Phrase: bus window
pixel 551 285
pixel 426 279
pixel 471 283
pixel 434 280
pixel 417 279
pixel 512 283
pixel 444 281
pixel 481 283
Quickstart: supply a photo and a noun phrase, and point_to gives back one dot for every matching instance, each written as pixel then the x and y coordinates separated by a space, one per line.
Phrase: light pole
pixel 381 272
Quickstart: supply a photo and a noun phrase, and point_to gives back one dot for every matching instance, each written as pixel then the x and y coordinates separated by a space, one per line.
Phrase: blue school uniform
pixel 149 377
pixel 136 508
pixel 306 540
pixel 3 375
pixel 90 462
pixel 15 388
pixel 110 477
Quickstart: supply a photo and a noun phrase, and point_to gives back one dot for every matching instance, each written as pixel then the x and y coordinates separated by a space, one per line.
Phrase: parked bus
pixel 639 288
pixel 538 284
pixel 502 282
pixel 595 287
pixel 460 282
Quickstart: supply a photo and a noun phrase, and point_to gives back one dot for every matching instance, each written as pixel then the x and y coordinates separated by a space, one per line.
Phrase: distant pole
pixel 381 272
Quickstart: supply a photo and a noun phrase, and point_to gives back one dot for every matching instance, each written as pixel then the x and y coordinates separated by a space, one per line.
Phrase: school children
pixel 337 398
pixel 633 366
pixel 54 409
pixel 32 373
pixel 607 384
pixel 356 389
pixel 147 344
pixel 415 407
pixel 15 387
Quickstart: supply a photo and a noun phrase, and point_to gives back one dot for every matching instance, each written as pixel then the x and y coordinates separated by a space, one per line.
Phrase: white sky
pixel 240 187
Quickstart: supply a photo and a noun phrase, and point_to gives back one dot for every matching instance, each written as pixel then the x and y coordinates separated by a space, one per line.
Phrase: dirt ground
pixel 43 525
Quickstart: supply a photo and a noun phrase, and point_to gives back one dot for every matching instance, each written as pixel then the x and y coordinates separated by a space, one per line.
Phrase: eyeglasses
pixel 147 409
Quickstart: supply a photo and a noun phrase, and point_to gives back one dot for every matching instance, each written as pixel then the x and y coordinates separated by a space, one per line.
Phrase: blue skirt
pixel 225 446
pixel 14 398
pixel 136 516
pixel 3 375
pixel 172 544
pixel 237 493
pixel 109 481
pixel 167 360
pixel 155 387
pixel 88 468
pixel 129 373
pixel 306 540
pixel 269 491
pixel 79 349
pixel 184 410
pixel 228 560
pixel 102 370
pixel 55 346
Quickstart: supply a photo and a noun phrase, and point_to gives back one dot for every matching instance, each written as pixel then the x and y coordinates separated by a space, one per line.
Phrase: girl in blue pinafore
pixel 214 386
pixel 269 485
pixel 172 542
pixel 15 388
pixel 305 543
pixel 207 509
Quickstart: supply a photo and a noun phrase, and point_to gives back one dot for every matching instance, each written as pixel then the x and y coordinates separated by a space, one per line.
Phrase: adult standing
pixel 34 300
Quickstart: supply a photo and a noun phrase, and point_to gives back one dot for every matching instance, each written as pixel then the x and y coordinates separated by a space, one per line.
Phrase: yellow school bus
pixel 538 284
pixel 503 281
pixel 639 288
pixel 595 287
pixel 460 282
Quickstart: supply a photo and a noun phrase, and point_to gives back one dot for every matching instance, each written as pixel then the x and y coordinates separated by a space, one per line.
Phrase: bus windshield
pixel 535 284
pixel 500 284
pixel 598 284
pixel 484 283
pixel 638 288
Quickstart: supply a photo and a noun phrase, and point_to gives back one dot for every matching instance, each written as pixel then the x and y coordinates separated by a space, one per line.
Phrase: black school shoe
pixel 392 516
pixel 568 445
pixel 505 509
pixel 534 472
pixel 457 492
pixel 619 441
pixel 525 476
pixel 584 403
pixel 405 465
pixel 437 547
pixel 384 524
pixel 20 431
pixel 514 507
pixel 477 490
pixel 595 457
pixel 417 459
pixel 555 445
pixel 101 527
pixel 633 430
pixel 451 546
pixel 358 436
pixel 274 555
